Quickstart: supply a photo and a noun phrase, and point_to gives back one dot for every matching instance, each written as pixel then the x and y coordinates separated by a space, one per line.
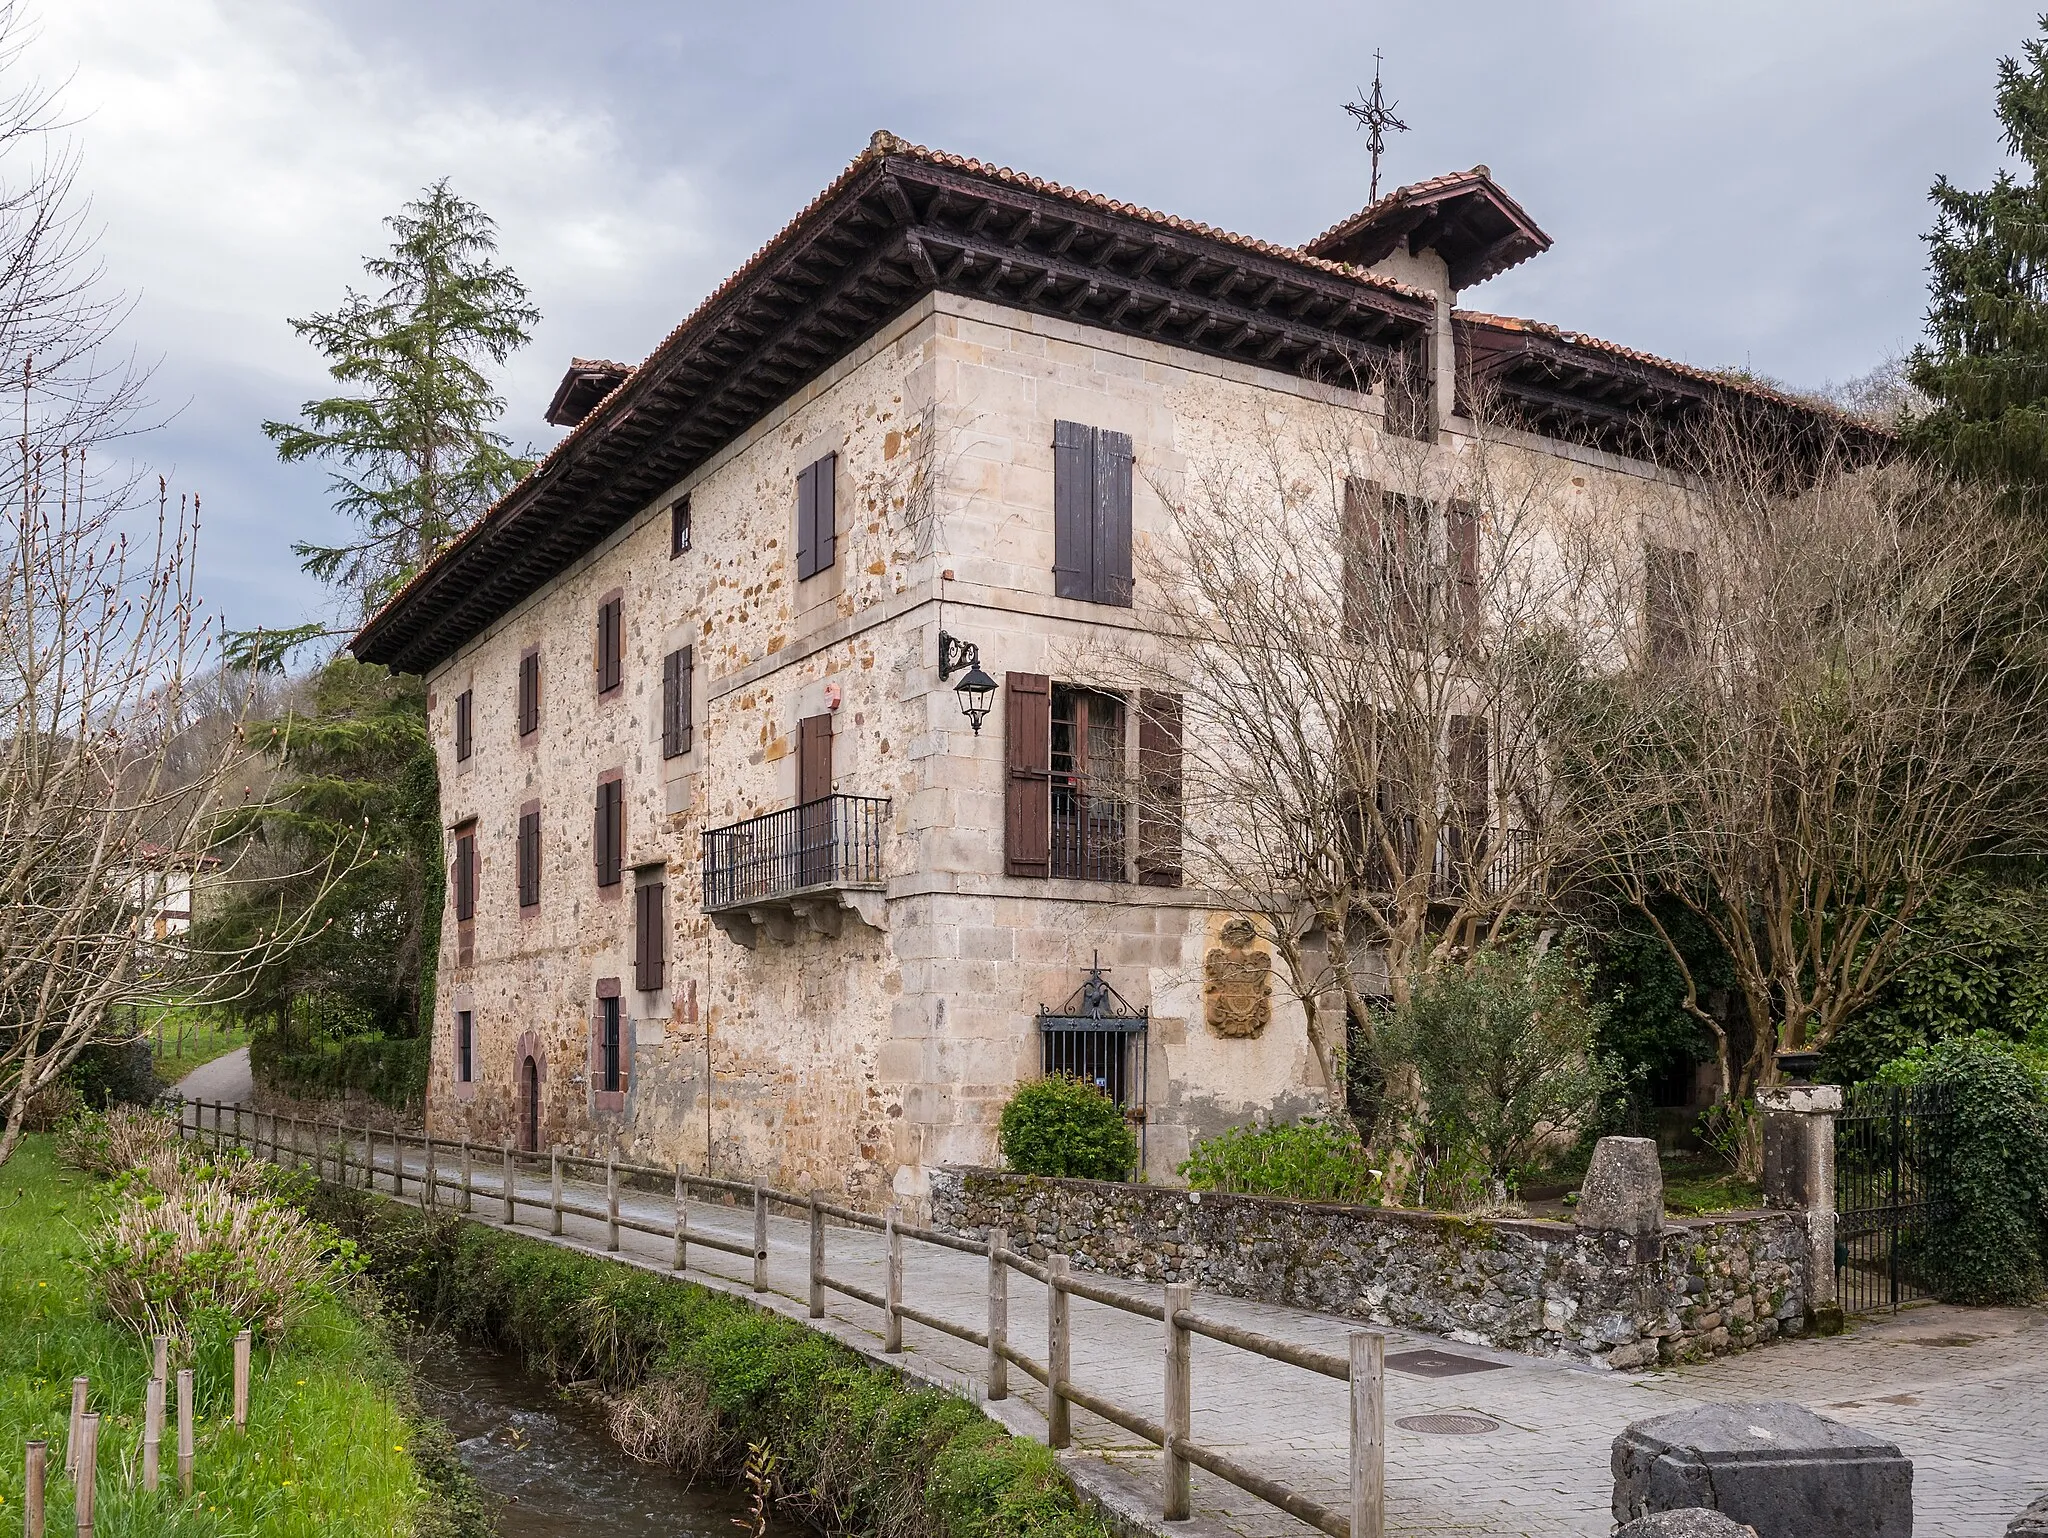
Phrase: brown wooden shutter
pixel 825 480
pixel 529 693
pixel 813 758
pixel 1462 533
pixel 465 877
pixel 611 644
pixel 609 834
pixel 1671 597
pixel 649 948
pixel 672 743
pixel 1073 510
pixel 1466 760
pixel 686 704
pixel 1159 778
pixel 1363 552
pixel 1112 520
pixel 465 724
pixel 806 522
pixel 1027 800
pixel 529 859
pixel 1408 553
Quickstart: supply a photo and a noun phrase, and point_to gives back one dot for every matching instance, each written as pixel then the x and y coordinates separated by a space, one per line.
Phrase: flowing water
pixel 549 1462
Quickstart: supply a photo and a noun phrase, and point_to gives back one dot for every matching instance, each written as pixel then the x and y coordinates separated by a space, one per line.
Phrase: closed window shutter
pixel 465 878
pixel 529 693
pixel 1463 535
pixel 686 703
pixel 1467 762
pixel 1408 552
pixel 611 644
pixel 1670 600
pixel 649 946
pixel 1112 518
pixel 1363 553
pixel 1027 800
pixel 464 723
pixel 825 526
pixel 1073 503
pixel 807 522
pixel 672 744
pixel 529 859
pixel 1159 774
pixel 609 834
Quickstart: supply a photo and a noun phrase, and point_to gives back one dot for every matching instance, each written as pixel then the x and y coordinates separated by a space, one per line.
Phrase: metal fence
pixel 1884 1205
pixel 835 841
pixel 445 1172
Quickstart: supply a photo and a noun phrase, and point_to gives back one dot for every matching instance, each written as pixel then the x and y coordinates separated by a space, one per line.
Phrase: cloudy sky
pixel 1735 183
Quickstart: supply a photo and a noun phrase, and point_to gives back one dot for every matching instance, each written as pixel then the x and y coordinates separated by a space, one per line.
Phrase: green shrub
pixel 1305 1162
pixel 391 1070
pixel 1064 1127
pixel 1985 1163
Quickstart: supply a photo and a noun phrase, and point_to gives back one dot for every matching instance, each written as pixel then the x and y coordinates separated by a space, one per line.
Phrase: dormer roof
pixel 1464 217
pixel 588 381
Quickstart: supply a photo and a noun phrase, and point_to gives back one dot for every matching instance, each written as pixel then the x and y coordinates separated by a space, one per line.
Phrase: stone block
pixel 2031 1523
pixel 1692 1522
pixel 1784 1470
pixel 1624 1188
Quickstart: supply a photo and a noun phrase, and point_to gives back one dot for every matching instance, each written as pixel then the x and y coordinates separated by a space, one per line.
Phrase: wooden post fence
pixel 160 1363
pixel 817 1299
pixel 611 1204
pixel 892 1317
pixel 1059 1415
pixel 760 1238
pixel 152 1434
pixel 1176 1495
pixel 554 1191
pixel 510 1190
pixel 681 1258
pixel 998 1386
pixel 468 1180
pixel 433 1178
pixel 86 1478
pixel 242 1344
pixel 80 1388
pixel 397 1164
pixel 185 1430
pixel 38 1474
pixel 1368 1434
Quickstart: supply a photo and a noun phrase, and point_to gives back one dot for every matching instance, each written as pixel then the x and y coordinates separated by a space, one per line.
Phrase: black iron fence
pixel 1885 1206
pixel 835 841
pixel 1089 835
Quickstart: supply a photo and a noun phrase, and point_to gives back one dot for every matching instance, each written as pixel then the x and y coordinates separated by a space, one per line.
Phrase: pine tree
pixel 417 452
pixel 1987 365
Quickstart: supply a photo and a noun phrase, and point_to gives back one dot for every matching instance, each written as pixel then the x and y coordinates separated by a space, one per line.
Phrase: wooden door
pixel 815 841
pixel 529 1096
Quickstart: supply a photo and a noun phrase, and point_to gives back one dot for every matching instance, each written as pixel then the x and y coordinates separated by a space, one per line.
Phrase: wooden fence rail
pixel 1361 1366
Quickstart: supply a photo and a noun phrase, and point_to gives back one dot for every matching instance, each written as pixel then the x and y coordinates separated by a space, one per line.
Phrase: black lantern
pixel 976 689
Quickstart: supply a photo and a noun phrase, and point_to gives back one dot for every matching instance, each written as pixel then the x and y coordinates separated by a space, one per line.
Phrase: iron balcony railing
pixel 833 842
pixel 1494 861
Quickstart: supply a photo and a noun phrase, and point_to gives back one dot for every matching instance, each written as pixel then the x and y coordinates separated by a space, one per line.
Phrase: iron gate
pixel 1884 1206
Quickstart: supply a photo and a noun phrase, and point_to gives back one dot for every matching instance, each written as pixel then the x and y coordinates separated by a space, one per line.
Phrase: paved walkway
pixel 225 1079
pixel 1963 1392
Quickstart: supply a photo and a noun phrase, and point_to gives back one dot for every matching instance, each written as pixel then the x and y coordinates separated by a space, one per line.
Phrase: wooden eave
pixel 901 224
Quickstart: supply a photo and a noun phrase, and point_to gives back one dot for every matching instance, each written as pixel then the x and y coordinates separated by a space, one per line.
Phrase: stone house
pixel 735 881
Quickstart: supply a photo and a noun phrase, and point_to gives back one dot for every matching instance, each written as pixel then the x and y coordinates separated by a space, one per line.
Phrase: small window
pixel 610 1045
pixel 529 694
pixel 465 877
pixel 465 1046
pixel 678 679
pixel 679 528
pixel 529 858
pixel 465 724
pixel 611 644
pixel 817 528
pixel 1089 809
pixel 1091 514
pixel 609 839
pixel 1671 600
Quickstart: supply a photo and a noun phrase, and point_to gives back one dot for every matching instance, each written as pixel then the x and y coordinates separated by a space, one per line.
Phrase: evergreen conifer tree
pixel 1986 366
pixel 417 453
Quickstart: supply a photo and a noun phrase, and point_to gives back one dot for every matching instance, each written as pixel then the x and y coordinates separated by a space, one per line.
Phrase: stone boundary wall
pixel 1703 1288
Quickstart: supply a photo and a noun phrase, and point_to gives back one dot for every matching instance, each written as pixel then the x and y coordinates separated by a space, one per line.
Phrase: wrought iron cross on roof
pixel 1375 115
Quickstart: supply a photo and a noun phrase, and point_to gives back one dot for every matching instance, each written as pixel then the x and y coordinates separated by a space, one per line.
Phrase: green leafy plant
pixel 1309 1161
pixel 1064 1127
pixel 1984 1165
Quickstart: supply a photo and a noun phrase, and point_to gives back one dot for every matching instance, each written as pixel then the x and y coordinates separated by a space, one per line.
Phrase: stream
pixel 551 1465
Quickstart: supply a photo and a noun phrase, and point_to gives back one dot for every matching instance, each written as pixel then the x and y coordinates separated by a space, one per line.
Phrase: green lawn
pixel 190 1038
pixel 326 1451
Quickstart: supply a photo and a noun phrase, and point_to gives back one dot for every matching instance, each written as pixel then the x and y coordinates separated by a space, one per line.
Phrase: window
pixel 679 528
pixel 610 1047
pixel 817 512
pixel 529 856
pixel 465 876
pixel 1087 761
pixel 464 724
pixel 465 1047
pixel 1671 599
pixel 1091 514
pixel 1409 389
pixel 649 935
pixel 529 693
pixel 608 841
pixel 678 678
pixel 611 644
pixel 1397 576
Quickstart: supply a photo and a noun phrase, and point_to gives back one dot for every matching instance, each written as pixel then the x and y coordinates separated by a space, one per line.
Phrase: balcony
pixel 1494 863
pixel 800 869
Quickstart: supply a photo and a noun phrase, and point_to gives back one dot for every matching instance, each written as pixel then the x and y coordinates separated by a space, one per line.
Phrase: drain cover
pixel 1449 1425
pixel 1431 1363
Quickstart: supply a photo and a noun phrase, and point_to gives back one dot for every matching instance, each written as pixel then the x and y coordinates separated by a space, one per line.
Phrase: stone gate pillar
pixel 1799 1176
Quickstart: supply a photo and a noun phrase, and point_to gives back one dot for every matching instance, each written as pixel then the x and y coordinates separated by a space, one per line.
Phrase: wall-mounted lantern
pixel 976 689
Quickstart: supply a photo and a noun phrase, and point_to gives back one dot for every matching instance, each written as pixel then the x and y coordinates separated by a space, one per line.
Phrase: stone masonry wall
pixel 1714 1286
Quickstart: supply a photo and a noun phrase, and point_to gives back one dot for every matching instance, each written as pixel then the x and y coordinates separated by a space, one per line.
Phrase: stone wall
pixel 1708 1287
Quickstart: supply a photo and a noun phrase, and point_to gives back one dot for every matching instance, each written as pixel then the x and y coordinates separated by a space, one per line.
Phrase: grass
pixel 333 1446
pixel 1698 1187
pixel 695 1378
pixel 190 1039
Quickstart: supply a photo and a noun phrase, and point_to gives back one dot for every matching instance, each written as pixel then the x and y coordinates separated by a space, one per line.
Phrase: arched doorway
pixel 529 1106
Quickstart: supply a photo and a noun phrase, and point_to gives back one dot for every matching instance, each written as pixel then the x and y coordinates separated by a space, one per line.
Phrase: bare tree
pixel 1364 637
pixel 1829 697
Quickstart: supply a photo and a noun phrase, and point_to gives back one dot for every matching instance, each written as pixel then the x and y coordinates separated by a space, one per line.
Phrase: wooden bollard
pixel 1368 1434
pixel 760 1237
pixel 85 1479
pixel 998 1385
pixel 509 1187
pixel 554 1190
pixel 185 1430
pixel 160 1361
pixel 1059 1414
pixel 397 1163
pixel 1177 1495
pixel 242 1343
pixel 80 1388
pixel 681 1226
pixel 892 1321
pixel 611 1204
pixel 152 1434
pixel 369 1155
pixel 38 1474
pixel 817 1258
pixel 468 1180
